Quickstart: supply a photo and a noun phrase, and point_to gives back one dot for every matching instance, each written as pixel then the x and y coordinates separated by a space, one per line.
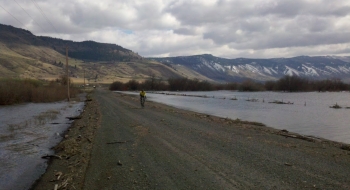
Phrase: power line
pixel 29 15
pixel 42 13
pixel 12 16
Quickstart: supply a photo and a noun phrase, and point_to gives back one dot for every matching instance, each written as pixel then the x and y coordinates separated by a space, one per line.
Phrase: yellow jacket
pixel 142 93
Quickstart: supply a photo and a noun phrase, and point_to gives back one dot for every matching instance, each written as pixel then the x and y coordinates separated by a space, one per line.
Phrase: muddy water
pixel 27 132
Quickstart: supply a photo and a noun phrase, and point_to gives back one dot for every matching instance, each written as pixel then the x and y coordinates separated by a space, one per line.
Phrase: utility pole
pixel 67 73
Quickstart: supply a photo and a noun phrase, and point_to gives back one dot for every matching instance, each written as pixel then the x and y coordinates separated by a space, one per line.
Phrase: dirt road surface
pixel 119 145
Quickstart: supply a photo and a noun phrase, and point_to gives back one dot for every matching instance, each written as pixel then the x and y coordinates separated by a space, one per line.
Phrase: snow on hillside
pixel 290 71
pixel 252 68
pixel 309 71
pixel 219 67
pixel 344 69
pixel 232 68
pixel 268 71
pixel 312 67
pixel 332 69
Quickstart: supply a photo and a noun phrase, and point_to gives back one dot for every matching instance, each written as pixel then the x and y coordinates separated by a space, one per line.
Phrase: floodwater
pixel 308 114
pixel 28 132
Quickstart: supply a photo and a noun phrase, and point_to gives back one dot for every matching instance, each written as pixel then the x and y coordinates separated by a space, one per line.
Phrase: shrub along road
pixel 161 147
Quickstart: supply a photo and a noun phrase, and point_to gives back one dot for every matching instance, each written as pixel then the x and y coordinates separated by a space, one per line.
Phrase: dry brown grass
pixel 36 62
pixel 13 91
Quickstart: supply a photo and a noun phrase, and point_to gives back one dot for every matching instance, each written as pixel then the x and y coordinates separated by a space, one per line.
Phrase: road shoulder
pixel 67 167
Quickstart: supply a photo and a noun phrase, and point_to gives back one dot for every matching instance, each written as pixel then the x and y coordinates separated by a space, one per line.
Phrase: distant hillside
pixel 221 69
pixel 87 50
pixel 24 55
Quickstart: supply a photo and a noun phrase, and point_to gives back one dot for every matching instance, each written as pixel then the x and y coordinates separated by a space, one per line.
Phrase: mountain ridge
pixel 24 55
pixel 314 67
pixel 85 50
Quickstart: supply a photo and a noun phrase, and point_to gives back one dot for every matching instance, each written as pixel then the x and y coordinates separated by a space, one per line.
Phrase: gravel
pixel 119 145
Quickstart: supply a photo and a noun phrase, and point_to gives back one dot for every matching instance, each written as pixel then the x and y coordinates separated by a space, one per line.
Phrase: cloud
pixel 227 28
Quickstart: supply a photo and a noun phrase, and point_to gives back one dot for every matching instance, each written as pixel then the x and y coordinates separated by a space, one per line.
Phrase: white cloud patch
pixel 226 28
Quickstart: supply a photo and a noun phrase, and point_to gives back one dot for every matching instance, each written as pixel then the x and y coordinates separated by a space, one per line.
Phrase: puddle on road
pixel 28 132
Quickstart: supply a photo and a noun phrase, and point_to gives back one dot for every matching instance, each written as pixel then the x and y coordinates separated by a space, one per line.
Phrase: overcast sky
pixel 224 28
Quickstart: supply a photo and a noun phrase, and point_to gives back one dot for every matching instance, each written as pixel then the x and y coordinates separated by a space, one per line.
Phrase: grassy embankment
pixel 14 91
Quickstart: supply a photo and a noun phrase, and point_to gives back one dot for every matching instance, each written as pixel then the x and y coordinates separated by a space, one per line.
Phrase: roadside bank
pixel 68 165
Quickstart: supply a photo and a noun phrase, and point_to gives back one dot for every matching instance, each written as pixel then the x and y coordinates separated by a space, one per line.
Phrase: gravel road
pixel 161 147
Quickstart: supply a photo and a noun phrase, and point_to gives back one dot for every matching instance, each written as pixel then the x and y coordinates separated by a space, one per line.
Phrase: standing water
pixel 306 113
pixel 27 132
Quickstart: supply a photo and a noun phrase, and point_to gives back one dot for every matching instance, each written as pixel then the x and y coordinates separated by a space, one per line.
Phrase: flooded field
pixel 28 132
pixel 308 113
